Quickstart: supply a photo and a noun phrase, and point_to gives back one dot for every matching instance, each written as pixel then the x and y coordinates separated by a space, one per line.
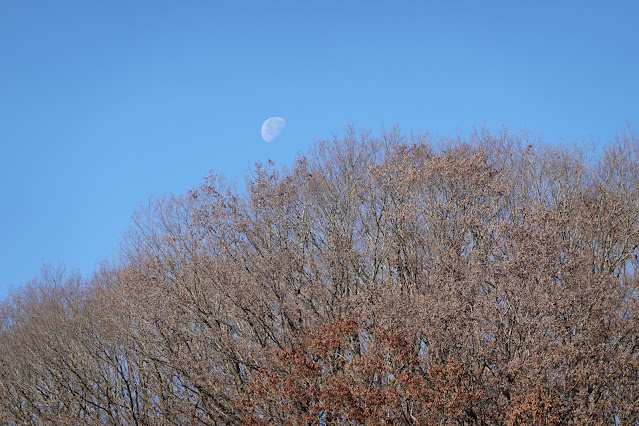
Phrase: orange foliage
pixel 533 408
pixel 346 373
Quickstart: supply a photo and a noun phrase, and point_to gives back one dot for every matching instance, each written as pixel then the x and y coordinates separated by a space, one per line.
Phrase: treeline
pixel 391 279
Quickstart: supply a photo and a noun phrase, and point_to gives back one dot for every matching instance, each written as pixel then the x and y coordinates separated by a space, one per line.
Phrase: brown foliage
pixel 491 280
pixel 344 373
pixel 535 408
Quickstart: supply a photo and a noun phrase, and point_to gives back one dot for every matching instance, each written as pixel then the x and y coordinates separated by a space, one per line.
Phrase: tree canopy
pixel 397 279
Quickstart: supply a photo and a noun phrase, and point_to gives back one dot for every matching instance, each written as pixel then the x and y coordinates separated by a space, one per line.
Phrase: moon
pixel 272 128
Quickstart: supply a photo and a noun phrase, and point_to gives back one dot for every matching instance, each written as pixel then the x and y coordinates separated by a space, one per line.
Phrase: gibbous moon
pixel 272 128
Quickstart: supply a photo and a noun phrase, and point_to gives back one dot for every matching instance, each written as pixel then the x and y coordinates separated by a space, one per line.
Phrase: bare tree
pixel 485 280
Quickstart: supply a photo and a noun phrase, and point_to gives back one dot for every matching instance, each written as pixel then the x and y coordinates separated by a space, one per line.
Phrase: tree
pixel 346 373
pixel 490 280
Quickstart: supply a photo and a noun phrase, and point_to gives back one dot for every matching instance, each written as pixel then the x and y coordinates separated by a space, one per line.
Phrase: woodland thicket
pixel 488 279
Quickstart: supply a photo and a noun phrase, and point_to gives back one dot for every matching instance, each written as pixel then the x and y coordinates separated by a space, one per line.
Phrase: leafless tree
pixel 490 279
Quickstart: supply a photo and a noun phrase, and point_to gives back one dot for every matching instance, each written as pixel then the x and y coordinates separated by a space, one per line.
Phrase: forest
pixel 405 279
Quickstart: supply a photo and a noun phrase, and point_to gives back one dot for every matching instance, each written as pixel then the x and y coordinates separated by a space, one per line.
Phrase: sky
pixel 104 104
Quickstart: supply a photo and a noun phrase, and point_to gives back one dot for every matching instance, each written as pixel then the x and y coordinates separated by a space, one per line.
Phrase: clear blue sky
pixel 105 103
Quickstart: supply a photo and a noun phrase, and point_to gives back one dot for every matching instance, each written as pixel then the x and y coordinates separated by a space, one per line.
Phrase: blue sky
pixel 106 103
